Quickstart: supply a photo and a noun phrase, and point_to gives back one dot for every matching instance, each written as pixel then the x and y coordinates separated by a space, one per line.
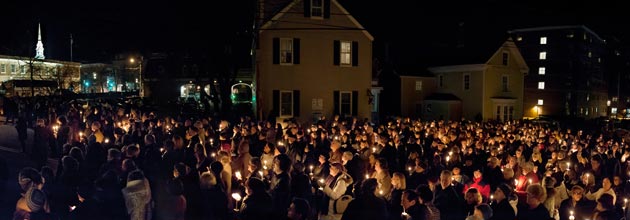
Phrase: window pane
pixel 346 103
pixel 346 52
pixel 286 51
pixel 286 104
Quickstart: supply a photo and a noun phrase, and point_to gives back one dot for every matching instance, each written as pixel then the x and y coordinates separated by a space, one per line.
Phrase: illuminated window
pixel 540 102
pixel 286 104
pixel 589 54
pixel 615 99
pixel 542 56
pixel 286 51
pixel 466 81
pixel 541 70
pixel 541 85
pixel 346 53
pixel 418 85
pixel 613 110
pixel 317 8
pixel 543 40
pixel 599 60
pixel 588 97
pixel 519 38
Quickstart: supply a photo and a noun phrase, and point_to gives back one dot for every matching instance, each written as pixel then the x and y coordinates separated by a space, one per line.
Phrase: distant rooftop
pixel 551 28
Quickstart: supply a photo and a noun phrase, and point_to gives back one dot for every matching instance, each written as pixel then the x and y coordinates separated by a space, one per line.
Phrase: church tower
pixel 39 50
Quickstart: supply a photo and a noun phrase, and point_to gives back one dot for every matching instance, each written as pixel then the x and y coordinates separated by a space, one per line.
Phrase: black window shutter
pixel 355 103
pixel 336 102
pixel 355 53
pixel 307 8
pixel 276 50
pixel 275 111
pixel 296 103
pixel 326 8
pixel 296 50
pixel 336 51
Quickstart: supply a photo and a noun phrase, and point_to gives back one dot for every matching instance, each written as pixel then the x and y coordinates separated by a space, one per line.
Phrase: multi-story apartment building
pixel 566 77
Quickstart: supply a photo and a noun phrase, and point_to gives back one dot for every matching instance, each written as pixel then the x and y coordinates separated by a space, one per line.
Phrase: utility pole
pixel 71 43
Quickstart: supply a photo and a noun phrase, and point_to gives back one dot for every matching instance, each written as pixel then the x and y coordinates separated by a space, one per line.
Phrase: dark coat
pixel 450 203
pixel 538 213
pixel 502 210
pixel 281 194
pixel 367 207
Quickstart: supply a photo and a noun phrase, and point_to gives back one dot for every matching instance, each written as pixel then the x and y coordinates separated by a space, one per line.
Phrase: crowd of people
pixel 125 163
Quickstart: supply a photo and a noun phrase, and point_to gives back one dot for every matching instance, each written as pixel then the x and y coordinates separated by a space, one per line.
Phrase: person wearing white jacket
pixel 334 187
pixel 137 196
pixel 606 188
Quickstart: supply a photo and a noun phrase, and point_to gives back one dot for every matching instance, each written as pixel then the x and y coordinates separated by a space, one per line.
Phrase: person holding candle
pixel 412 208
pixel 213 198
pixel 528 177
pixel 578 205
pixel 399 185
pixel 606 189
pixel 334 186
pixel 383 177
pixel 257 205
pixel 280 186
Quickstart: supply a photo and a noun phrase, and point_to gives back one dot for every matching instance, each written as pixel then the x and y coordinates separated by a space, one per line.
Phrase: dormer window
pixel 317 8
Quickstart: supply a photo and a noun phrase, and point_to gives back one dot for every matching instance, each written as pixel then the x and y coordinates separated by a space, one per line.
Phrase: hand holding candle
pixel 238 175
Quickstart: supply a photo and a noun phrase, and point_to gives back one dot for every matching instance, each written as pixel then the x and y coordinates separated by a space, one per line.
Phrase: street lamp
pixel 139 81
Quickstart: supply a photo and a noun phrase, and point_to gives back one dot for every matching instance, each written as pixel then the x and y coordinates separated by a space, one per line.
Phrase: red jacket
pixel 480 185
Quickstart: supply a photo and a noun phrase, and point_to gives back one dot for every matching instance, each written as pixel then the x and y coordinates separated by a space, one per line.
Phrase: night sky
pixel 102 29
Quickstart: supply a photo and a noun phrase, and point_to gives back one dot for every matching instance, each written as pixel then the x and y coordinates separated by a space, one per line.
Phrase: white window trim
pixel 542 55
pixel 13 69
pixel 281 51
pixel 22 69
pixel 540 102
pixel 3 68
pixel 502 114
pixel 543 40
pixel 507 88
pixel 341 53
pixel 541 85
pixel 280 102
pixel 341 102
pixel 464 81
pixel 542 70
pixel 313 7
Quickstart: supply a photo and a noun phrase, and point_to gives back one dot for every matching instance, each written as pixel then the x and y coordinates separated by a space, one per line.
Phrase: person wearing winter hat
pixel 501 206
pixel 483 211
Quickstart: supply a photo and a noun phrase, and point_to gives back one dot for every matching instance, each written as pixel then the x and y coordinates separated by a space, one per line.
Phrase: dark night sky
pixel 103 28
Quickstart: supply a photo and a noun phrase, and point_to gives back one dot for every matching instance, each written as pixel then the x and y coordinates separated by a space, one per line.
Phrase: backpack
pixel 341 204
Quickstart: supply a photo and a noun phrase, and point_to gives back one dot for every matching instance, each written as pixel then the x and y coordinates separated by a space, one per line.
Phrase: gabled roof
pixel 268 22
pixel 472 50
pixel 552 28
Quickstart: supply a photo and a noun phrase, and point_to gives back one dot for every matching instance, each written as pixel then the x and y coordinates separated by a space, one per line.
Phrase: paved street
pixel 11 155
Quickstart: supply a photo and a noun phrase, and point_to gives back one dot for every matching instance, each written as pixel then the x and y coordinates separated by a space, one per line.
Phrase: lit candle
pixel 213 154
pixel 261 174
pixel 373 149
pixel 448 158
pixel 321 180
pixel 380 192
pixel 161 150
pixel 571 217
pixel 238 174
pixel 450 153
pixel 568 166
pixel 236 197
pixel 491 197
pixel 264 164
pixel 311 168
pixel 72 208
pixel 367 176
pixel 530 181
pixel 515 182
pixel 119 124
pixel 308 131
pixel 81 134
pixel 106 140
pixel 409 168
pixel 211 141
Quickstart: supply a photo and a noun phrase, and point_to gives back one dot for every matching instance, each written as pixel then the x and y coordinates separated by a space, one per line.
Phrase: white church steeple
pixel 39 50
